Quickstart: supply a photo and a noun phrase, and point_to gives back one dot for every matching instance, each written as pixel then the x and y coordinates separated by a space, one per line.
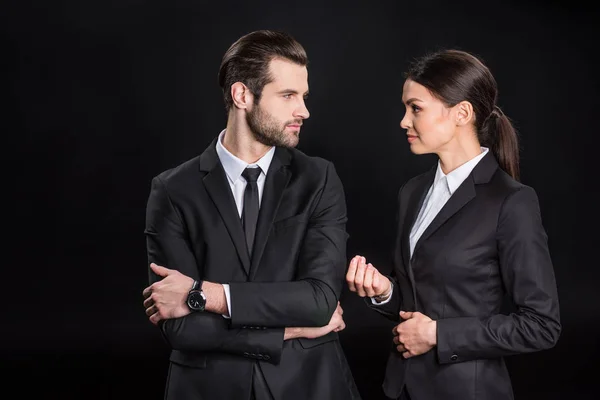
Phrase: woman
pixel 468 233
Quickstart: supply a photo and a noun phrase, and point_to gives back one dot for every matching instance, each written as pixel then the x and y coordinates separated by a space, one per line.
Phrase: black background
pixel 102 96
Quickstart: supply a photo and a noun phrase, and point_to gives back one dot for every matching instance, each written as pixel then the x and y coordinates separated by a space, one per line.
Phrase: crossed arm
pixel 307 307
pixel 166 299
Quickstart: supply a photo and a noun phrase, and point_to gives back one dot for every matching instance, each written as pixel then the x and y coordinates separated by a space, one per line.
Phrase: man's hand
pixel 336 324
pixel 167 298
pixel 416 335
pixel 365 280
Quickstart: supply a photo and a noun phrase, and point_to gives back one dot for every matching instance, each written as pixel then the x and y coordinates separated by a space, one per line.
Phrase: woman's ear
pixel 464 113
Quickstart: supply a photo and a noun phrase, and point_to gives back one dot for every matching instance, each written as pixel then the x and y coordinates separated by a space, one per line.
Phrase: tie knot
pixel 251 174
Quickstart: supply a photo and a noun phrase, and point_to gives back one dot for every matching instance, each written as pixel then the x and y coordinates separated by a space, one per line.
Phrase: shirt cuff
pixel 380 303
pixel 228 298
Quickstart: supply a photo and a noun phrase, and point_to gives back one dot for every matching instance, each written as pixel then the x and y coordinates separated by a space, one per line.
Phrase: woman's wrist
pixel 385 295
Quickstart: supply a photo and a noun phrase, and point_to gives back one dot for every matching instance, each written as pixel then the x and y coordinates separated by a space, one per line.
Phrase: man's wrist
pixel 216 301
pixel 292 333
pixel 196 299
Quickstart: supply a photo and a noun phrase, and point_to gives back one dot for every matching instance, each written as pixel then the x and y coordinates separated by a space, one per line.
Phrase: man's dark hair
pixel 247 61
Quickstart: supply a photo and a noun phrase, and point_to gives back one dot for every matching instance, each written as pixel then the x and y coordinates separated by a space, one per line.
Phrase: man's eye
pixel 287 96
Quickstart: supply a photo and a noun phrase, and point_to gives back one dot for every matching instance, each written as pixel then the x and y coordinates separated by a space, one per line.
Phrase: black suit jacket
pixel 294 278
pixel 487 241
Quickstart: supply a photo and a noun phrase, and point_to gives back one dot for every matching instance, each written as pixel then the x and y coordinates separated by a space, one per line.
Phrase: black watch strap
pixel 197 285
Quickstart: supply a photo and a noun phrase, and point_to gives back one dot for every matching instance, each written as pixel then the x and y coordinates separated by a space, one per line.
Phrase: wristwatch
pixel 196 300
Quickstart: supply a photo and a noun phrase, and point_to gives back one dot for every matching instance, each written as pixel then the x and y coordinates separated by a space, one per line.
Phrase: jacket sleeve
pixel 167 245
pixel 311 299
pixel 528 276
pixel 390 309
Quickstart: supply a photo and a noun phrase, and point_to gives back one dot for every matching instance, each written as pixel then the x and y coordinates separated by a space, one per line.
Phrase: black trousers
pixel 260 390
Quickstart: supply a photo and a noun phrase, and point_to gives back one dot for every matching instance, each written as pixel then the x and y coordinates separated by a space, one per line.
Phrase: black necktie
pixel 250 210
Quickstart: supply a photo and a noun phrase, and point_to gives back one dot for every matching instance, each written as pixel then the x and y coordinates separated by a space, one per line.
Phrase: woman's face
pixel 428 122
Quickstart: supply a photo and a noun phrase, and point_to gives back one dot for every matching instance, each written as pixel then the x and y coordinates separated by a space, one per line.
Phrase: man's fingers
pixel 351 274
pixel 158 270
pixel 155 318
pixel 151 310
pixel 148 302
pixel 340 327
pixel 147 292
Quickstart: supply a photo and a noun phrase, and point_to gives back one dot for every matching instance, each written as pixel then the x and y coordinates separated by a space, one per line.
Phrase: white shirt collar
pixel 456 177
pixel 234 166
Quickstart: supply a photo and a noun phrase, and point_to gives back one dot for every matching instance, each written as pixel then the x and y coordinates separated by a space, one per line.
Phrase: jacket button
pixel 246 354
pixel 454 357
pixel 267 357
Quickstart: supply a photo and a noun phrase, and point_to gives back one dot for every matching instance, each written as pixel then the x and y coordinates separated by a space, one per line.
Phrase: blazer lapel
pixel 482 173
pixel 277 179
pixel 462 195
pixel 218 189
pixel 412 209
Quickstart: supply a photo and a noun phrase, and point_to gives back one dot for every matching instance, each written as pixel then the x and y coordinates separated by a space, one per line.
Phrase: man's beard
pixel 268 131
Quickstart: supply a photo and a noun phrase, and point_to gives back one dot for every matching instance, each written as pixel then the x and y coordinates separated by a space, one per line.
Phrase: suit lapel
pixel 462 195
pixel 277 179
pixel 218 189
pixel 482 173
pixel 413 207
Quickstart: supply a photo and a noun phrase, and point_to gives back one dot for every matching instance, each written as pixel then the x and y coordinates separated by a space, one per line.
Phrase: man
pixel 250 243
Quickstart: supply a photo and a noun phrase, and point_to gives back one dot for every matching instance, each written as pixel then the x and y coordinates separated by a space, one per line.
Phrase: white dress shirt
pixel 440 191
pixel 234 167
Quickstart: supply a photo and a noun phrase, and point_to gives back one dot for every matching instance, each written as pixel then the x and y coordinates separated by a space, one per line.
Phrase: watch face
pixel 196 300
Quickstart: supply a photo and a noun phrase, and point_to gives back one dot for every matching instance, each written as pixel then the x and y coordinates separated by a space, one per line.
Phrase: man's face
pixel 276 119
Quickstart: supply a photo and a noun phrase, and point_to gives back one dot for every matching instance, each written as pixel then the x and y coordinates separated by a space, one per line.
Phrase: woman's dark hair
pixel 247 61
pixel 454 76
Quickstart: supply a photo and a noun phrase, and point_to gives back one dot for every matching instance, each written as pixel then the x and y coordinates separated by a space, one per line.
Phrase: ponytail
pixel 503 141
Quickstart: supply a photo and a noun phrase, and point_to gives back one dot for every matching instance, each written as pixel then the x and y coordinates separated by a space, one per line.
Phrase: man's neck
pixel 240 142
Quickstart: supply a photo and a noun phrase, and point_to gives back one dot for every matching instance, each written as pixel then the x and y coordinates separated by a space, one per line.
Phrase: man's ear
pixel 464 113
pixel 241 95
